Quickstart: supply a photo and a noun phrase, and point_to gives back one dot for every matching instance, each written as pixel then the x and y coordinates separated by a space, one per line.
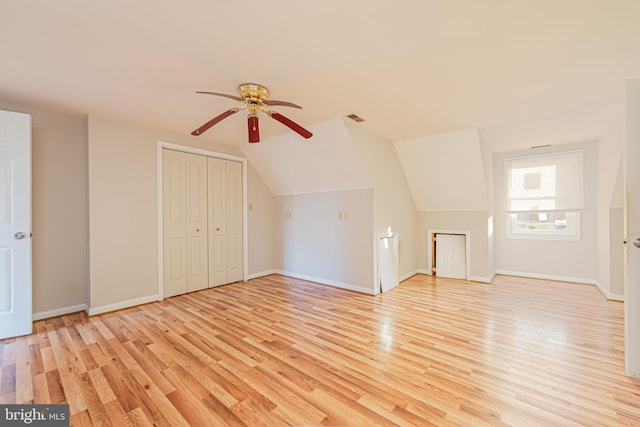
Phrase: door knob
pixel 19 235
pixel 636 242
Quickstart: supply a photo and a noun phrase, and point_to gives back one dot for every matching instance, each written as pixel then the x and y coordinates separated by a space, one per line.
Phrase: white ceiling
pixel 522 72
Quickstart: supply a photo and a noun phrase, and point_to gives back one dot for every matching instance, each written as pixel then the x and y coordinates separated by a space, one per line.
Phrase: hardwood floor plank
pixel 283 351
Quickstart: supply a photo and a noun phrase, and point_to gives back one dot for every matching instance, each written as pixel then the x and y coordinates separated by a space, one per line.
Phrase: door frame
pixel 192 150
pixel 631 149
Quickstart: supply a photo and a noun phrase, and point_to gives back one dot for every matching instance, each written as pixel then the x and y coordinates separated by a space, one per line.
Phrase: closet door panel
pixel 217 201
pixel 174 218
pixel 234 223
pixel 197 221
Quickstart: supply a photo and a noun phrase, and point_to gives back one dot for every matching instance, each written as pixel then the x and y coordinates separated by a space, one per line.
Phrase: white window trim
pixel 571 234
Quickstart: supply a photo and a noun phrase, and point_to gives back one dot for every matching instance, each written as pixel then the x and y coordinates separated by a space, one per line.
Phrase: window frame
pixel 558 190
pixel 572 232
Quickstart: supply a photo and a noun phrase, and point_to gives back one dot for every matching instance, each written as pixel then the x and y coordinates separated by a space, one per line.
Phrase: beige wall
pixel 616 253
pixel 59 213
pixel 315 244
pixel 261 219
pixel 392 201
pixel 123 230
pixel 473 221
pixel 610 263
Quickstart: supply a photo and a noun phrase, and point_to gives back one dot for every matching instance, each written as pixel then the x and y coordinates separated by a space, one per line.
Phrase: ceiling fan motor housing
pixel 252 92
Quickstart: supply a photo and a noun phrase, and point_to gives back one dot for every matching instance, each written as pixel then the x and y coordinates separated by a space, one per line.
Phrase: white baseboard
pixel 123 304
pixel 608 295
pixel 547 277
pixel 408 275
pixel 59 312
pixel 470 278
pixel 262 274
pixel 341 285
pixel 480 279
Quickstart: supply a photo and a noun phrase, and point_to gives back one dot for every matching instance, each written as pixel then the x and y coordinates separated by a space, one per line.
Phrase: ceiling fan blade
pixel 237 98
pixel 283 103
pixel 254 132
pixel 205 127
pixel 291 124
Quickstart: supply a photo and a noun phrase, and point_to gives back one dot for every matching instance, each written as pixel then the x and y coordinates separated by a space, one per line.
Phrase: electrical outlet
pixel 250 207
pixel 340 216
pixel 345 215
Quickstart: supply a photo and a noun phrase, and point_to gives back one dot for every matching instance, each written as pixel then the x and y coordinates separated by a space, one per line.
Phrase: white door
pixel 632 213
pixel 184 198
pixel 226 263
pixel 198 270
pixel 235 260
pixel 451 256
pixel 217 222
pixel 15 224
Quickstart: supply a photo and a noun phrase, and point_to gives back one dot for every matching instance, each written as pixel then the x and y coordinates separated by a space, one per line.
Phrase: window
pixel 544 196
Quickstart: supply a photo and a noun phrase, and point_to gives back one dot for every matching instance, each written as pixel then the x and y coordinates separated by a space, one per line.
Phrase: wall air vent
pixel 356 118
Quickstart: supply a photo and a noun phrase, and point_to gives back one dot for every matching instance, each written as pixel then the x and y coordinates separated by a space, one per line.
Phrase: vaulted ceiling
pixel 522 72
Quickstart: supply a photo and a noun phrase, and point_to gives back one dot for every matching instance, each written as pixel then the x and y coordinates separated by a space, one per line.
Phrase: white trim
pixel 547 277
pixel 123 304
pixel 467 244
pixel 480 279
pixel 333 190
pixel 262 274
pixel 452 210
pixel 327 282
pixel 471 278
pixel 407 276
pixel 551 153
pixel 572 233
pixel 245 227
pixel 608 295
pixel 59 311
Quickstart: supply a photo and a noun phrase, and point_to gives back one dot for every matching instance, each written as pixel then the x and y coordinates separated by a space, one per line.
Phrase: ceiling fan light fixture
pixel 254 97
pixel 254 131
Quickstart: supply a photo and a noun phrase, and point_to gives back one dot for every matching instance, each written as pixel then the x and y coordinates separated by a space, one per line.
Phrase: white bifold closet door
pixel 225 222
pixel 184 198
pixel 451 256
pixel 202 222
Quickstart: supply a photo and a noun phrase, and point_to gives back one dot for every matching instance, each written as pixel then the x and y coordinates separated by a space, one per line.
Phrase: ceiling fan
pixel 254 97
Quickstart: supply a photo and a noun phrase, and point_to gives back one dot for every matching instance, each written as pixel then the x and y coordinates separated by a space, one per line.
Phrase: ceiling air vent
pixel 540 146
pixel 356 118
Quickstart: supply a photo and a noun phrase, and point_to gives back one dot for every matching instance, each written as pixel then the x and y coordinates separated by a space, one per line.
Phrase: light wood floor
pixel 279 351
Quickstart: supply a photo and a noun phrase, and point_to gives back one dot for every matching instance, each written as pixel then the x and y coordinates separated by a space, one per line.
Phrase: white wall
pixel 59 211
pixel 562 260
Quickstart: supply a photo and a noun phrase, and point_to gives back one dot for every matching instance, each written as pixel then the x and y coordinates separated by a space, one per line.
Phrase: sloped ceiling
pixel 445 171
pixel 328 161
pixel 522 72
